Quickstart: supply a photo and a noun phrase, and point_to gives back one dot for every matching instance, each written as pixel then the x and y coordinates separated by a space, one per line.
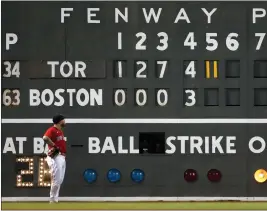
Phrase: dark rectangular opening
pixel 152 143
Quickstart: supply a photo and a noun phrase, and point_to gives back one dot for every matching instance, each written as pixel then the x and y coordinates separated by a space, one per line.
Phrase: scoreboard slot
pixel 211 97
pixel 232 69
pixel 152 143
pixel 232 97
pixel 260 97
pixel 260 69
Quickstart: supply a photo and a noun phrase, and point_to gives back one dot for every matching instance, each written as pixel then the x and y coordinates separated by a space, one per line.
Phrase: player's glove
pixel 54 151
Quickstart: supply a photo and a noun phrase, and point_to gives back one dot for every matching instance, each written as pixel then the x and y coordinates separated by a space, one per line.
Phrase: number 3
pixel 191 97
pixel 163 41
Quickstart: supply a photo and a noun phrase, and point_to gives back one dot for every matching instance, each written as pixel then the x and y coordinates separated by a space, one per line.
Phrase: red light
pixel 190 175
pixel 214 175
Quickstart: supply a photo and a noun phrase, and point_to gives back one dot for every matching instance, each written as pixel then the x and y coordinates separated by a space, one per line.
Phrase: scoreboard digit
pixel 162 96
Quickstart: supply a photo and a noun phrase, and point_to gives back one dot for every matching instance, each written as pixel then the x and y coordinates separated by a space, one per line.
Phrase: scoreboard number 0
pixel 11 97
pixel 161 97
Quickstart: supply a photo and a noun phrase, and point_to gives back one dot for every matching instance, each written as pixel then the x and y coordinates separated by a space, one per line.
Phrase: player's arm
pixel 48 138
pixel 48 141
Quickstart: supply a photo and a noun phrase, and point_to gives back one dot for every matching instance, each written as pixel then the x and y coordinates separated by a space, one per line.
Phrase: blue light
pixel 114 175
pixel 138 175
pixel 90 175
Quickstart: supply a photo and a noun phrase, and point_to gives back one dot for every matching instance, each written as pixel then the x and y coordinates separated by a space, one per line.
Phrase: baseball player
pixel 55 159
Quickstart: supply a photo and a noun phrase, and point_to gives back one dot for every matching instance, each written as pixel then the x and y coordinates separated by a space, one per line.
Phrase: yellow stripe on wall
pixel 215 69
pixel 207 69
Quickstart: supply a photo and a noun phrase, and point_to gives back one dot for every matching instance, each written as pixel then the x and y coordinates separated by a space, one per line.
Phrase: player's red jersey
pixel 57 137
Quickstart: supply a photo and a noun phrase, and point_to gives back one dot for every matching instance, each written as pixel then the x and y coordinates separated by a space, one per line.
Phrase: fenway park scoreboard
pixel 160 98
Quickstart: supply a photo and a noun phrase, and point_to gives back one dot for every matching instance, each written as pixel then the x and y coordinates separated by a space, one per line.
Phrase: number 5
pixel 191 97
pixel 212 41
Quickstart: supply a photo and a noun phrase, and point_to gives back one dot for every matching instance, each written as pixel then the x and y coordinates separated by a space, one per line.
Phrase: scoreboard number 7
pixel 261 38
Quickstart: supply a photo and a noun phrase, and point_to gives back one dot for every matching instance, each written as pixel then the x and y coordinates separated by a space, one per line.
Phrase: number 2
pixel 139 44
pixel 141 70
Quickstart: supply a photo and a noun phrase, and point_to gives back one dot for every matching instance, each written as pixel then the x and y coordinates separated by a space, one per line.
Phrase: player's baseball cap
pixel 57 118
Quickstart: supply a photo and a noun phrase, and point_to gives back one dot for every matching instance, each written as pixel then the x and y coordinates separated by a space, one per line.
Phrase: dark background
pixel 43 38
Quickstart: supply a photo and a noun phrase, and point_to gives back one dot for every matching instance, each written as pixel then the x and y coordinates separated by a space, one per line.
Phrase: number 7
pixel 163 68
pixel 261 38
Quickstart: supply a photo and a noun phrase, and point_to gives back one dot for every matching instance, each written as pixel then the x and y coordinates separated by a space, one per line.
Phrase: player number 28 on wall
pixel 231 41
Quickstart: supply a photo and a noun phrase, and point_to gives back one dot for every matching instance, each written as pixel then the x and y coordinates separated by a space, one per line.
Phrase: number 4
pixel 9 71
pixel 191 69
pixel 189 41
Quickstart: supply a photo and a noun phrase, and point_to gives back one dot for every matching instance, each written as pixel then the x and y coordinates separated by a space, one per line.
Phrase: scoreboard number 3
pixel 11 69
pixel 191 97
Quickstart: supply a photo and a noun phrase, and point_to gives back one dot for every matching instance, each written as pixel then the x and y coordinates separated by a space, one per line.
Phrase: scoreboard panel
pixel 161 98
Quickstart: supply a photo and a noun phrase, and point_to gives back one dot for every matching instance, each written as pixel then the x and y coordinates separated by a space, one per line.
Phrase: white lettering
pixel 63 14
pixel 152 13
pixel 93 145
pixel 182 140
pixel 67 69
pixel 195 143
pixel 90 14
pixel 38 145
pixel 258 13
pixel 21 140
pixel 216 144
pixel 132 149
pixel 209 14
pixel 108 146
pixel 9 146
pixel 120 146
pixel 11 39
pixel 262 142
pixel 229 145
pixel 171 145
pixel 82 96
pixel 123 16
pixel 182 16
